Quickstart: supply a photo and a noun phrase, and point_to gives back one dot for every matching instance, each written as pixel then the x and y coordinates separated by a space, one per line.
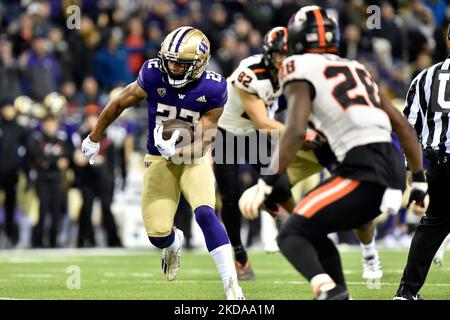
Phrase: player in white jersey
pixel 253 100
pixel 342 102
pixel 253 92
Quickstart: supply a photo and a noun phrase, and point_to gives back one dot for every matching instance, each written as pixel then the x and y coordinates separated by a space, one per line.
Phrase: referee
pixel 427 109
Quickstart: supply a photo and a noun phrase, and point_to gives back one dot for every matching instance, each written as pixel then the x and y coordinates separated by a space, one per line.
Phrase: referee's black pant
pixel 433 227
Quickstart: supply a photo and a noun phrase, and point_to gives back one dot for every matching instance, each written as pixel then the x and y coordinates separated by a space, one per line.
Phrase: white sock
pixel 176 244
pixel 223 257
pixel 321 282
pixel 369 249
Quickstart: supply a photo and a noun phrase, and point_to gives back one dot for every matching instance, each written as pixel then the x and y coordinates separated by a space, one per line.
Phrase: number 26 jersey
pixel 345 102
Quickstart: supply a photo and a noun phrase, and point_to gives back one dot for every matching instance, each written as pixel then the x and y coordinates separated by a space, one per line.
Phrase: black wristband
pixel 419 176
pixel 271 180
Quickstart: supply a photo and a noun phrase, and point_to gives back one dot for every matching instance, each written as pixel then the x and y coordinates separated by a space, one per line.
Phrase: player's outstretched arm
pixel 406 134
pixel 255 108
pixel 130 96
pixel 418 198
pixel 203 136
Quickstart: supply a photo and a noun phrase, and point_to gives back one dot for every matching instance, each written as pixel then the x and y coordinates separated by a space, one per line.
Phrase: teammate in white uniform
pixel 253 92
pixel 343 103
pixel 253 100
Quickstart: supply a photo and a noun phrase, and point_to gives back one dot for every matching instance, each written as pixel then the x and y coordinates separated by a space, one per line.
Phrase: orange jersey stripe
pixel 321 27
pixel 332 198
pixel 321 50
pixel 332 183
pixel 259 70
pixel 323 196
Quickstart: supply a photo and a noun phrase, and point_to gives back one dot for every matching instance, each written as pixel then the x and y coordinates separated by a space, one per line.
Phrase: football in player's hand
pixel 186 133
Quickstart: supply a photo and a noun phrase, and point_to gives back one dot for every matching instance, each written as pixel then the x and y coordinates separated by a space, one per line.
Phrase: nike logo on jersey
pixel 201 99
pixel 181 96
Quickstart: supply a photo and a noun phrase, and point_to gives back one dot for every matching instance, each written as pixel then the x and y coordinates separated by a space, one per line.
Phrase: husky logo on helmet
pixel 186 46
pixel 313 30
pixel 275 40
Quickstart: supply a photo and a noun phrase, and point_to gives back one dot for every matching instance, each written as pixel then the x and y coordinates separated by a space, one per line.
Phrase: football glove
pixel 418 198
pixel 90 149
pixel 253 198
pixel 165 147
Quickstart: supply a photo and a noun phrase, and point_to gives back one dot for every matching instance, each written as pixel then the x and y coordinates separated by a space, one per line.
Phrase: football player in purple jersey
pixel 177 86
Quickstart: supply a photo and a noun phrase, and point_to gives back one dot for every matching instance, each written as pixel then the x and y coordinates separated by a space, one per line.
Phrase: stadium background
pixel 47 67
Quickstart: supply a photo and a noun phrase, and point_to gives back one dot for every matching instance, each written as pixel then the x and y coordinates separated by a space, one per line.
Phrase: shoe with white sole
pixel 170 260
pixel 404 293
pixel 372 267
pixel 234 291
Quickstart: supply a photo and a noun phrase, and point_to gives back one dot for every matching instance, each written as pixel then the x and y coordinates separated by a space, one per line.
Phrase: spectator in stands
pixel 420 26
pixel 89 93
pixel 438 8
pixel 9 71
pixel 423 62
pixel 49 154
pixel 135 39
pixel 42 73
pixel 95 182
pixel 390 29
pixel 12 149
pixel 111 62
pixel 353 44
pixel 216 24
pixel 83 44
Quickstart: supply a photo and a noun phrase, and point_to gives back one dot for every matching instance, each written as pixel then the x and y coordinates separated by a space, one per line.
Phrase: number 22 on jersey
pixel 166 112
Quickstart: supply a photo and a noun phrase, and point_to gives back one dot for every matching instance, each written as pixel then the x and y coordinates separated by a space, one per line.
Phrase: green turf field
pixel 128 274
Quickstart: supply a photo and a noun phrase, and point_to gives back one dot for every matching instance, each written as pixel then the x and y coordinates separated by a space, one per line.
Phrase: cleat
pixel 244 273
pixel 170 260
pixel 337 293
pixel 404 294
pixel 372 267
pixel 234 291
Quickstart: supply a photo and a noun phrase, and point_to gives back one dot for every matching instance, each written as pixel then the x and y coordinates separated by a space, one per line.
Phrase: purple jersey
pixel 188 103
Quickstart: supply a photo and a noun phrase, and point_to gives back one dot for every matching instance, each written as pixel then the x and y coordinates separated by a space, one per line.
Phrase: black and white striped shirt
pixel 428 106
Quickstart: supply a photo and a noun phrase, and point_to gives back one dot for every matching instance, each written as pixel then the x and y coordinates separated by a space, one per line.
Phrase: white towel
pixel 392 200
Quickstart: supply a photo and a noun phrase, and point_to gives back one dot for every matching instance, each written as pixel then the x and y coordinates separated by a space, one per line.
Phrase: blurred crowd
pixel 55 79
